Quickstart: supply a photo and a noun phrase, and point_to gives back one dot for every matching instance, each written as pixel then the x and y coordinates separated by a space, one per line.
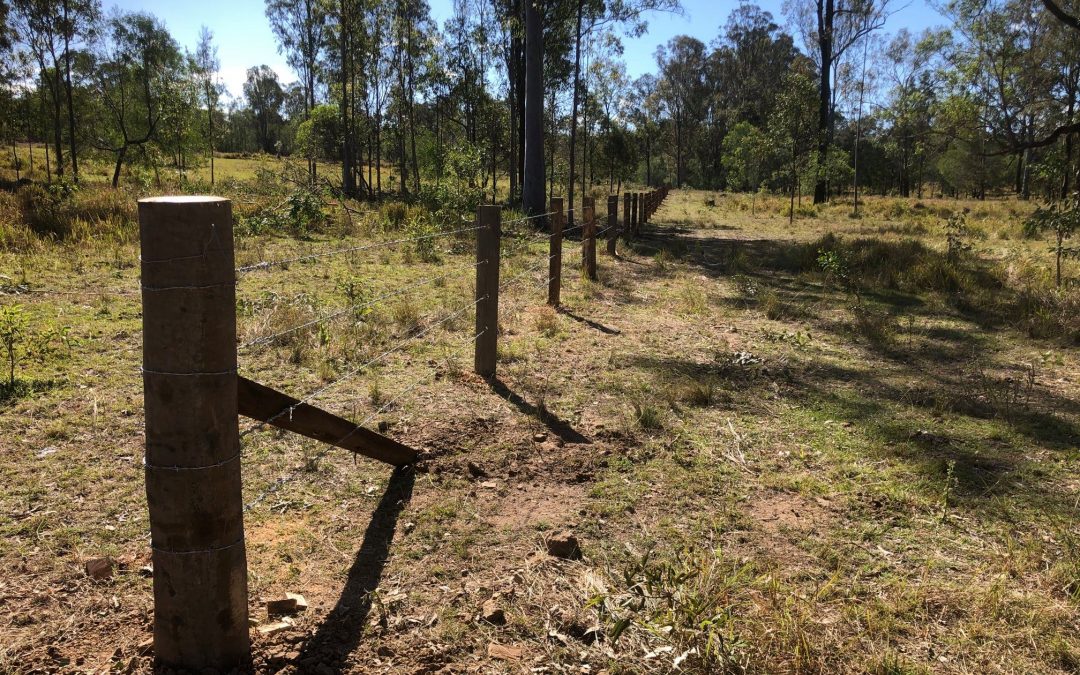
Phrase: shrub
pixel 875 325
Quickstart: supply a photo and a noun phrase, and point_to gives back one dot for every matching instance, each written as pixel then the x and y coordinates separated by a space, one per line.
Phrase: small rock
pixel 475 470
pixel 492 612
pixel 505 652
pixel 281 606
pixel 146 571
pixel 99 568
pixel 301 601
pixel 408 526
pixel 489 485
pixel 274 628
pixel 45 452
pixel 146 647
pixel 540 437
pixel 563 545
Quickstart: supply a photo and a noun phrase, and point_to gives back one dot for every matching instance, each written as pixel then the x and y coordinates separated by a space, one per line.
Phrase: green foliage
pixel 746 150
pixel 319 136
pixel 686 599
pixel 956 237
pixel 422 230
pixel 301 214
pixel 1063 221
pixel 834 264
pixel 457 193
pixel 21 343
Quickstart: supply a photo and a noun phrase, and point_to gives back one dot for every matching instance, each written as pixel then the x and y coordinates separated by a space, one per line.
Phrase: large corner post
pixel 192 461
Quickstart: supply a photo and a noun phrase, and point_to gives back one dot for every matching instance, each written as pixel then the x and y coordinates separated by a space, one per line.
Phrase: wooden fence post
pixel 192 462
pixel 634 227
pixel 644 208
pixel 588 242
pixel 612 223
pixel 489 220
pixel 555 252
pixel 626 215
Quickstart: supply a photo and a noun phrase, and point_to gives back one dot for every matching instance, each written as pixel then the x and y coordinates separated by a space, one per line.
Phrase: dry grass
pixel 756 462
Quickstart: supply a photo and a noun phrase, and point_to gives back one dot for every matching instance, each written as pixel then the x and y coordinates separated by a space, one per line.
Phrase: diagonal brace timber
pixel 262 403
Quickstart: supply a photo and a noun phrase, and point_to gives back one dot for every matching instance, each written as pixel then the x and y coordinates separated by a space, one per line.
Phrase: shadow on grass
pixel 557 426
pixel 882 412
pixel 340 631
pixel 21 388
pixel 588 322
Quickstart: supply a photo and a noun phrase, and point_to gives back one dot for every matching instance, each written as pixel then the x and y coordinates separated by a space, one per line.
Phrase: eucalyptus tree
pixel 645 115
pixel 910 64
pixel 210 89
pixel 791 126
pixel 37 24
pixel 830 28
pixel 138 69
pixel 265 97
pixel 681 64
pixel 300 27
pixel 532 187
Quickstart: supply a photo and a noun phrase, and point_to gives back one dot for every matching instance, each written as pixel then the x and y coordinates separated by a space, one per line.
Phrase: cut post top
pixel 183 199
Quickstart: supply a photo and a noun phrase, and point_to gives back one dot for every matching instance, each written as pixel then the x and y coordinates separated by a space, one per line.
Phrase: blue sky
pixel 244 39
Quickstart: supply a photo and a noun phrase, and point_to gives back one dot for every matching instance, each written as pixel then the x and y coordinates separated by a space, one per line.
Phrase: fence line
pixel 193 392
pixel 267 264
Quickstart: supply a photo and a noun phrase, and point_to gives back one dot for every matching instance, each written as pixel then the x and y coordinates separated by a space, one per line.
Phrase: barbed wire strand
pixel 22 290
pixel 276 485
pixel 266 339
pixel 267 264
pixel 358 369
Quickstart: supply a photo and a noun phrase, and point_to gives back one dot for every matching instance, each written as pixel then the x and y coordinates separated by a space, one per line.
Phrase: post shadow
pixel 341 630
pixel 559 427
pixel 561 309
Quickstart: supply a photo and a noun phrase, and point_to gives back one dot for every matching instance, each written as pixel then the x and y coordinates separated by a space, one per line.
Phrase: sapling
pixel 1063 219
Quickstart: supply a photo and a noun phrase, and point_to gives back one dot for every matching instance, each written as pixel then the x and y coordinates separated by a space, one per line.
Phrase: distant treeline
pixel 828 104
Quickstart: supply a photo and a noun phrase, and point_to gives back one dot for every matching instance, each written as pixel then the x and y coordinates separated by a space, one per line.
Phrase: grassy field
pixel 227 167
pixel 822 448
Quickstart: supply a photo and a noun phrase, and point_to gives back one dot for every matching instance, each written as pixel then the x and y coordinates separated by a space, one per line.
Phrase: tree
pixel 37 21
pixel 265 97
pixel 78 18
pixel 746 151
pixel 137 68
pixel 300 27
pixel 830 28
pixel 532 193
pixel 1064 221
pixel 206 69
pixel 681 64
pixel 791 125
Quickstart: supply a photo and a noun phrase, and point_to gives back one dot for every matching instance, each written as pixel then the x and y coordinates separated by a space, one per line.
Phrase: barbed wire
pixel 21 289
pixel 276 485
pixel 267 264
pixel 367 364
pixel 266 339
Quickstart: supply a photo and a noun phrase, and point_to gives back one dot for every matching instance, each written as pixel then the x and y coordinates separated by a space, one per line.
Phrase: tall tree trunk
pixel 68 94
pixel 512 104
pixel 210 131
pixel 573 116
pixel 348 178
pixel 58 150
pixel 119 162
pixel 533 183
pixel 412 106
pixel 825 14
